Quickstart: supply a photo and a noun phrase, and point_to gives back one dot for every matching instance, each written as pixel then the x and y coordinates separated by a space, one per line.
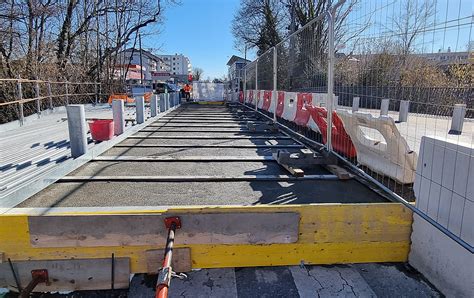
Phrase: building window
pixel 174 58
pixel 174 68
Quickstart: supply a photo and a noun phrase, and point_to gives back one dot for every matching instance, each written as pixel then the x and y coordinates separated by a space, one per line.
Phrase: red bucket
pixel 102 130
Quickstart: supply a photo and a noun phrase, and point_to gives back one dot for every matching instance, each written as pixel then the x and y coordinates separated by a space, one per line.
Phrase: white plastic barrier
pixel 208 91
pixel 273 99
pixel 260 98
pixel 289 110
pixel 389 155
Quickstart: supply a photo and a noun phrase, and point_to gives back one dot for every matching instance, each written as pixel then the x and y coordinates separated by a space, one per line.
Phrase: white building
pixel 152 64
pixel 236 66
pixel 156 67
pixel 178 65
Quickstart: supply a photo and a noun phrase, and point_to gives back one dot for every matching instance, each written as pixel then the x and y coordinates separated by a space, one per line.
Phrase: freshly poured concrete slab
pixel 91 194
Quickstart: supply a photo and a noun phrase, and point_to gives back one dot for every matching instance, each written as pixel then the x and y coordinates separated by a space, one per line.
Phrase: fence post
pixel 256 83
pixel 457 120
pixel 403 111
pixel 275 94
pixel 118 115
pixel 38 100
pixel 50 95
pixel 355 104
pixel 76 121
pixel 331 60
pixel 67 94
pixel 154 105
pixel 20 97
pixel 384 107
pixel 140 106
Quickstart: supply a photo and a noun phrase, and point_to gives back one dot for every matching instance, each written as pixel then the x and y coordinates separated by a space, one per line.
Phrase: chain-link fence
pixel 389 77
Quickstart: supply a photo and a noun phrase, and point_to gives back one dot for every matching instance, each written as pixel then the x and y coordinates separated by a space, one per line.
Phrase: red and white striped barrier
pixel 388 154
pixel 341 141
pixel 267 100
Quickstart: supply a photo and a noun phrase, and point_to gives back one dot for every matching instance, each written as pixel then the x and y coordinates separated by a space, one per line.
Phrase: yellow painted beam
pixel 328 234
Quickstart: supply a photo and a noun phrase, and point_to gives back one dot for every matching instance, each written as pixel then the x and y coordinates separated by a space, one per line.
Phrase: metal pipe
pixel 275 83
pixel 164 278
pixel 330 96
pixel 245 75
pixel 256 83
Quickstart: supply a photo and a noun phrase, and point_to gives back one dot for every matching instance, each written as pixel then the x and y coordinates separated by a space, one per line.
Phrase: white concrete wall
pixel 444 190
pixel 446 264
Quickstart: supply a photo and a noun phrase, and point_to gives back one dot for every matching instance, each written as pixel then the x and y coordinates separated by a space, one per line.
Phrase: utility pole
pixel 141 61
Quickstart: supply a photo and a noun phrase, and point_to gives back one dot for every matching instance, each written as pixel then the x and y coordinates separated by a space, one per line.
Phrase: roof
pixel 144 52
pixel 234 58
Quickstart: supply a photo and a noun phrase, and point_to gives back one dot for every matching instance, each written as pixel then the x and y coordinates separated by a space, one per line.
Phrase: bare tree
pixel 259 24
pixel 197 73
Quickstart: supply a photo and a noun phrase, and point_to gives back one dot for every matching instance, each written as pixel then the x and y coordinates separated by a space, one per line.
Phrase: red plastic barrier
pixel 341 142
pixel 102 130
pixel 267 100
pixel 281 103
pixel 241 96
pixel 250 99
pixel 302 114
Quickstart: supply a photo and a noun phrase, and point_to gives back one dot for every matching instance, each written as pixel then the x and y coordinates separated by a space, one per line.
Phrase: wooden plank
pixel 328 234
pixel 181 261
pixel 194 178
pixel 166 158
pixel 70 275
pixel 132 230
pixel 340 172
pixel 204 146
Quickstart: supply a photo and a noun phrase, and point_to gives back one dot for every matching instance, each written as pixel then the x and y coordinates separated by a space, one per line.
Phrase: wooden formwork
pixel 211 237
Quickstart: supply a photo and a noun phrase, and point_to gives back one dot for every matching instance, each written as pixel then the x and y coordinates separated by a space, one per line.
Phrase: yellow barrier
pixel 328 234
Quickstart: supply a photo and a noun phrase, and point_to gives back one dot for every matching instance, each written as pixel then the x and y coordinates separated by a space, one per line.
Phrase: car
pixel 163 87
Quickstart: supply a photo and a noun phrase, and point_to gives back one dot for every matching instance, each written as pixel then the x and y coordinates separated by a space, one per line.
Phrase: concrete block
pixel 154 105
pixel 455 214
pixel 457 120
pixel 445 199
pixel 461 174
pixel 77 126
pixel 441 260
pixel 384 107
pixel 355 104
pixel 467 228
pixel 162 103
pixel 403 112
pixel 433 200
pixel 118 112
pixel 140 106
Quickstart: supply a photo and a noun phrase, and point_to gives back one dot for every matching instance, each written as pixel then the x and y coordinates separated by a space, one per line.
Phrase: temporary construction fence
pixel 208 91
pixel 385 75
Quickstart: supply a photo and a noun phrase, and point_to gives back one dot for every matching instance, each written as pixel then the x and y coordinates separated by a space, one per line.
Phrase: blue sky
pixel 199 29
